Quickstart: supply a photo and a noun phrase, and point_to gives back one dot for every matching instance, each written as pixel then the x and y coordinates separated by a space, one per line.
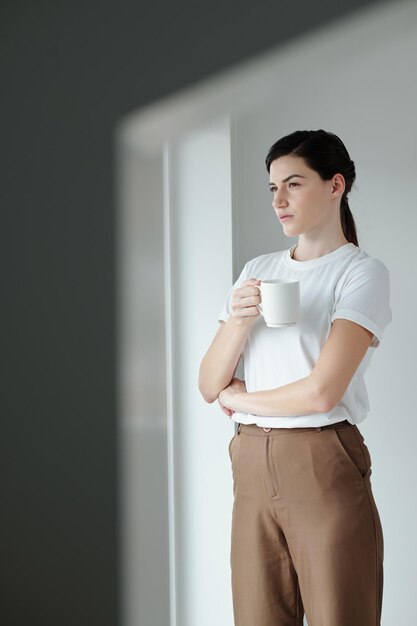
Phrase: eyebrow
pixel 288 178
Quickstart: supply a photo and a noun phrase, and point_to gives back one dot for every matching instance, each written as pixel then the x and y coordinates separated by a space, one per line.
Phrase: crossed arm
pixel 321 390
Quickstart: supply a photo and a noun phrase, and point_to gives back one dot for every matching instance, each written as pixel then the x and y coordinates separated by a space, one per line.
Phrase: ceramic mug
pixel 280 301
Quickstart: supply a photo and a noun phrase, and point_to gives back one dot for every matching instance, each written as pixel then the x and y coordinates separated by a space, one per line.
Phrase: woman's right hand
pixel 245 300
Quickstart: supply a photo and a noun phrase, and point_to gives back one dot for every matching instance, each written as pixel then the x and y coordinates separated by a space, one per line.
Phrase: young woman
pixel 306 533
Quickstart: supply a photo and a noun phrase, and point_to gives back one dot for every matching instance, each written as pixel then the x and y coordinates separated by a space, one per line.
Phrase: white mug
pixel 280 299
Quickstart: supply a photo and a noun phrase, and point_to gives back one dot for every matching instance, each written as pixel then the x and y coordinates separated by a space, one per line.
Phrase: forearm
pixel 221 359
pixel 298 398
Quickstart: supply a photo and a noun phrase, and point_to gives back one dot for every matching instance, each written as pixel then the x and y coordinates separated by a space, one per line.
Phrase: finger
pixel 250 294
pixel 249 288
pixel 250 284
pixel 224 409
pixel 249 311
pixel 244 301
pixel 249 299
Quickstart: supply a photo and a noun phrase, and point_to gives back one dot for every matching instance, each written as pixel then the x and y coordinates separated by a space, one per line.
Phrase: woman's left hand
pixel 226 396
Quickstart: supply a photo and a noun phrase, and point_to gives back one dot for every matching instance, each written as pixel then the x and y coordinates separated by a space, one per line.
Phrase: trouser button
pixel 266 429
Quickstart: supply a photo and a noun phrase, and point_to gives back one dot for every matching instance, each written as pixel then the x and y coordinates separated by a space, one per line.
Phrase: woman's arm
pixel 321 390
pixel 221 359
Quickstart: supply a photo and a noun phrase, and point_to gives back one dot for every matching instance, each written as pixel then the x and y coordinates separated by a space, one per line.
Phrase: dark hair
pixel 325 153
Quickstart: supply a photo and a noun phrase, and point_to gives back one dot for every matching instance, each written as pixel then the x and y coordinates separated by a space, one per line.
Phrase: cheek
pixel 312 204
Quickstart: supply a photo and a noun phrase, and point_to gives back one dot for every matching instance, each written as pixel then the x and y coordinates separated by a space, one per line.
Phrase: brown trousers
pixel 306 535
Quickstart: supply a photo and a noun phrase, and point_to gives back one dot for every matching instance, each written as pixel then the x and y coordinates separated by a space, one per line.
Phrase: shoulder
pixel 365 266
pixel 364 277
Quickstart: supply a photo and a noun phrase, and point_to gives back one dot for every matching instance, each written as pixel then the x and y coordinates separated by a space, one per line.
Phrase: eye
pixel 291 183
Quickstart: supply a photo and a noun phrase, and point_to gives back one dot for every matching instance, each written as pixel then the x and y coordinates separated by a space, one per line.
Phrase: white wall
pixel 201 267
pixel 371 103
pixel 357 79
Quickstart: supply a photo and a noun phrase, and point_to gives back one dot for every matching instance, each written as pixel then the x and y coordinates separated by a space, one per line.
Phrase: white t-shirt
pixel 346 283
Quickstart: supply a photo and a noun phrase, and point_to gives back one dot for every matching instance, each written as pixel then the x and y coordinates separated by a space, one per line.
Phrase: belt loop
pixel 238 427
pixel 318 429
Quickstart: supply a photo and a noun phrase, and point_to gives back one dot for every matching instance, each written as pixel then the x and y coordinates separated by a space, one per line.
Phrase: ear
pixel 338 185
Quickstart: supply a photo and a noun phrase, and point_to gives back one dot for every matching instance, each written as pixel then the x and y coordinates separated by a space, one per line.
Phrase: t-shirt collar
pixel 321 260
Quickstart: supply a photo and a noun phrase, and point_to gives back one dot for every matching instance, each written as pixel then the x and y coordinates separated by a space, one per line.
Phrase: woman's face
pixel 300 192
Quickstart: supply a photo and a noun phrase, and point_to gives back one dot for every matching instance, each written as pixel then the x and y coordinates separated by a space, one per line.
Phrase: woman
pixel 306 533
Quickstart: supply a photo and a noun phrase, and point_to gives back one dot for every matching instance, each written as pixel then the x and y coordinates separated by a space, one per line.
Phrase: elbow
pixel 324 402
pixel 209 398
pixel 324 405
pixel 325 391
pixel 207 394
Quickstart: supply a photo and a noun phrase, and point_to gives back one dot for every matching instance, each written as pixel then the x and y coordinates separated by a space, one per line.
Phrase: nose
pixel 279 201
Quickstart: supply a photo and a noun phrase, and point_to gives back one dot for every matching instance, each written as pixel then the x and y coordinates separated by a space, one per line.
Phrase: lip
pixel 282 218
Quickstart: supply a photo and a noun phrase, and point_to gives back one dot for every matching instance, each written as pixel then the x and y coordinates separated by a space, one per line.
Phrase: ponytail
pixel 347 222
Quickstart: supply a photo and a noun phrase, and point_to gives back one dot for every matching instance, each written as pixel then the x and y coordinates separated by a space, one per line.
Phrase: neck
pixel 309 252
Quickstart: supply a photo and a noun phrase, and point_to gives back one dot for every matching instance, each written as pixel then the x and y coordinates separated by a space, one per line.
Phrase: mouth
pixel 282 218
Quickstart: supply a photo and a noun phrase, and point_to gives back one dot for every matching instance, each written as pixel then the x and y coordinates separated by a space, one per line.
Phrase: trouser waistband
pixel 254 429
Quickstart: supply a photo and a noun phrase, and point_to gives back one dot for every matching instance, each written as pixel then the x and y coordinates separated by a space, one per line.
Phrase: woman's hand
pixel 225 396
pixel 228 412
pixel 245 300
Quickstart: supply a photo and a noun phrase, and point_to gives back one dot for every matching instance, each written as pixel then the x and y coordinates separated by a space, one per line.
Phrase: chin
pixel 292 232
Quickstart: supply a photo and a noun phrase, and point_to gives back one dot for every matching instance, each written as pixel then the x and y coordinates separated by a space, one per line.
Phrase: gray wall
pixel 69 71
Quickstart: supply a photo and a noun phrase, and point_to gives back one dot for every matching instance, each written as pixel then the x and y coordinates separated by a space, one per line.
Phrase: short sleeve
pixel 226 310
pixel 364 297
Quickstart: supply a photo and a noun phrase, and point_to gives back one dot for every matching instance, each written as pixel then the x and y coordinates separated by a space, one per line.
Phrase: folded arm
pixel 321 390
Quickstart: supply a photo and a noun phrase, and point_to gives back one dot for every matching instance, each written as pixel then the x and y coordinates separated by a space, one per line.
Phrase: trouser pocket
pixel 351 444
pixel 234 446
pixel 230 446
